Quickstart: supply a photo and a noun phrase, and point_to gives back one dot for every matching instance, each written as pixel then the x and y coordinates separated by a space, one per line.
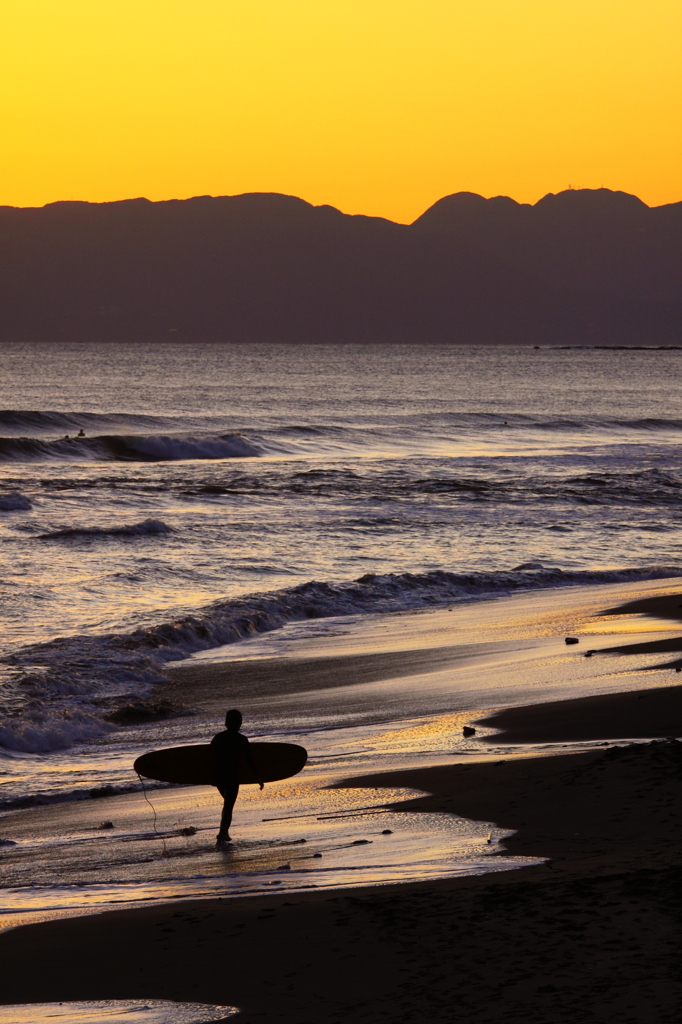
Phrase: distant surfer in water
pixel 228 747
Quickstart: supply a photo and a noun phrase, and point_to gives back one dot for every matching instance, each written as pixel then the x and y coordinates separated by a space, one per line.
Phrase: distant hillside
pixel 599 240
pixel 583 267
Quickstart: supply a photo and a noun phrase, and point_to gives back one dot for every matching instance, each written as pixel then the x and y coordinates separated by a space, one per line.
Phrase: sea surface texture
pixel 161 500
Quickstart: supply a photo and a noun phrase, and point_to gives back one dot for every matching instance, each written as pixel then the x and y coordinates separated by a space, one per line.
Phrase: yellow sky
pixel 375 106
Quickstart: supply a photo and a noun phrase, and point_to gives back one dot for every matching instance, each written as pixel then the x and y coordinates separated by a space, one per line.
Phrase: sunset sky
pixel 375 106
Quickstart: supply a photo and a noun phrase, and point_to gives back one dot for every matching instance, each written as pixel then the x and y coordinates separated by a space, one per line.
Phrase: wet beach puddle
pixel 115 1011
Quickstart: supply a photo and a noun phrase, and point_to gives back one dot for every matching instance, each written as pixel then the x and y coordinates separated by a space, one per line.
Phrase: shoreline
pixel 476 650
pixel 590 934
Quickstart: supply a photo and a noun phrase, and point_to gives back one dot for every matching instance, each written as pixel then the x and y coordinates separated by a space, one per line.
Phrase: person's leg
pixel 229 792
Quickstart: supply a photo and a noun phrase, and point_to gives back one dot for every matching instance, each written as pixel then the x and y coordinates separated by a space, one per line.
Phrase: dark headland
pixel 580 267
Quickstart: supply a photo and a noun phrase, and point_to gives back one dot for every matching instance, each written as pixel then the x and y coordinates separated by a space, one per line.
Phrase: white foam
pixel 43 733
pixel 14 502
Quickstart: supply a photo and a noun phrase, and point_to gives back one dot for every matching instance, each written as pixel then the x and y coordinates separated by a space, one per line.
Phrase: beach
pixel 583 790
pixel 591 934
pixel 378 553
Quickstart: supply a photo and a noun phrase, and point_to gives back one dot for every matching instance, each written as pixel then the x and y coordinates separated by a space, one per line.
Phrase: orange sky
pixel 374 106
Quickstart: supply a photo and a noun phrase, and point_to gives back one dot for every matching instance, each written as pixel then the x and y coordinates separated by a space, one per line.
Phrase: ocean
pixel 224 490
pixel 166 501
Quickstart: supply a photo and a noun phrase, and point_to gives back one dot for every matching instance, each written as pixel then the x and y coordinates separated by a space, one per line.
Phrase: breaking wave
pixel 146 528
pixel 60 796
pixel 89 667
pixel 127 448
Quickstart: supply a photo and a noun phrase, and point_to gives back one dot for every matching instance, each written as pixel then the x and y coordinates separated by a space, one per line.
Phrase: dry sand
pixel 592 935
pixel 663 606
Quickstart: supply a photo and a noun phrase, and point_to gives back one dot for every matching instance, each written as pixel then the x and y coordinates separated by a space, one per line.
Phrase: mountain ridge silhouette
pixel 578 267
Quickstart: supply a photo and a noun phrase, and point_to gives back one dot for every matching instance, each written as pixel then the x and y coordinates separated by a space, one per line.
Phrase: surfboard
pixel 194 766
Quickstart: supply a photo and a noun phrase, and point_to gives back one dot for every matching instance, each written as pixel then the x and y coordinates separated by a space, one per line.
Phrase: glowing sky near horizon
pixel 375 106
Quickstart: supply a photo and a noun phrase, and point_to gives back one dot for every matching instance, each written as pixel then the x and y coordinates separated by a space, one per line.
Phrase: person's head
pixel 233 720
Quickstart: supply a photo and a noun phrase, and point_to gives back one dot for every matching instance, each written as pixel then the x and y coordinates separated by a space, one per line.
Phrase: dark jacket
pixel 228 749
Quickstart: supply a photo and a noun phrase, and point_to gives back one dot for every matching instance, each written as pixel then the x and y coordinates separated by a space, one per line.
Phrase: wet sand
pixel 592 935
pixel 209 683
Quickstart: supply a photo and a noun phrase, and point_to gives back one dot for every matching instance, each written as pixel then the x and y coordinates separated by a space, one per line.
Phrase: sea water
pixel 222 492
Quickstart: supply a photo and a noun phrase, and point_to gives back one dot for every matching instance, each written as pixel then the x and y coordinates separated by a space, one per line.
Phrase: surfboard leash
pixel 144 792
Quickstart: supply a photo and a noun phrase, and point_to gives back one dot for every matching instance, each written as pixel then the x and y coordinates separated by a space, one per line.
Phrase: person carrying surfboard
pixel 228 748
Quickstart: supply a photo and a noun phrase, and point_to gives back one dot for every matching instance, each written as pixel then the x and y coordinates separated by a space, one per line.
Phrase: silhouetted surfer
pixel 228 748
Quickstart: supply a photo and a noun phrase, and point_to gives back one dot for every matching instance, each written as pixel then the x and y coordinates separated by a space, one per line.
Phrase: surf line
pixel 355 814
pixel 343 753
